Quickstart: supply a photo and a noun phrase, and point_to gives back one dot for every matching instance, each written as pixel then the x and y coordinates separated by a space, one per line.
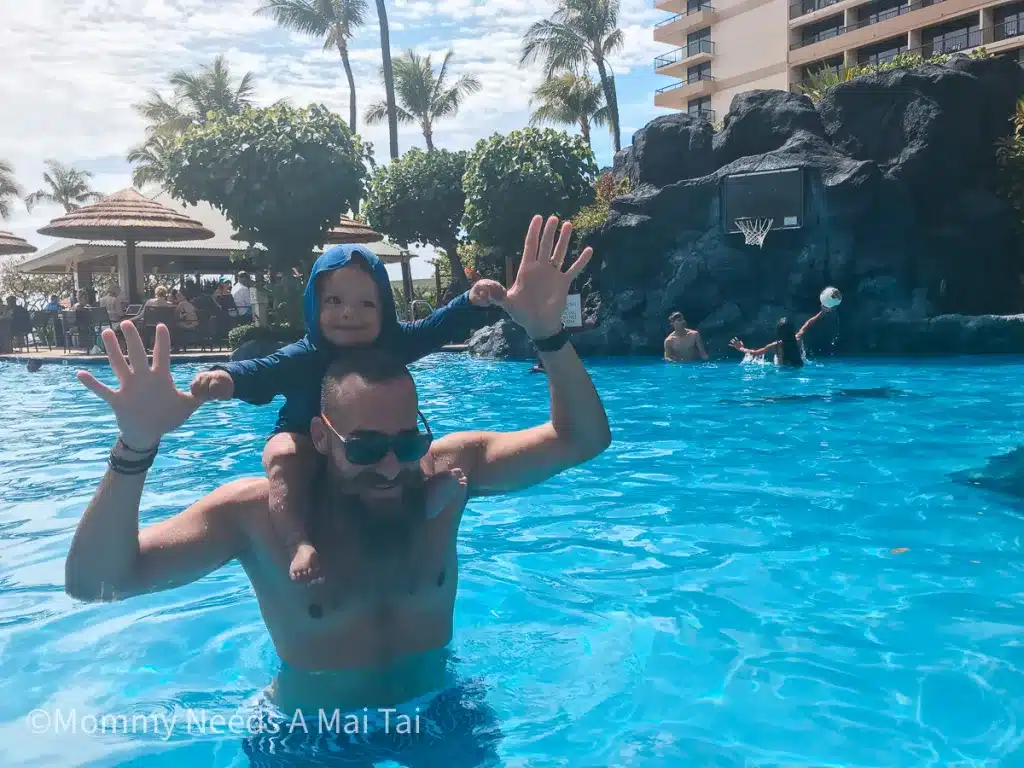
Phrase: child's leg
pixel 442 490
pixel 290 461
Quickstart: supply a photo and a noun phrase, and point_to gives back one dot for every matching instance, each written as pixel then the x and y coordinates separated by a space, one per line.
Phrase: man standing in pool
pixel 375 634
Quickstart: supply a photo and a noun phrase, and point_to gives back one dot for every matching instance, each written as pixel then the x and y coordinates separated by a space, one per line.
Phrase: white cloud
pixel 71 69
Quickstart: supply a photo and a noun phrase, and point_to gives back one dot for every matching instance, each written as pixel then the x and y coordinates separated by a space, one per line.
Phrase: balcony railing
pixel 809 6
pixel 707 114
pixel 691 49
pixel 875 18
pixel 972 39
pixel 687 12
pixel 690 80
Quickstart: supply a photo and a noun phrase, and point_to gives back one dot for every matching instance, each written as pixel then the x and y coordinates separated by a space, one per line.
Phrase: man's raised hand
pixel 147 405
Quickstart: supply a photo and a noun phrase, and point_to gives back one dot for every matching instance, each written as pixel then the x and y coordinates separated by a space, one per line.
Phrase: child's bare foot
pixel 305 567
pixel 442 489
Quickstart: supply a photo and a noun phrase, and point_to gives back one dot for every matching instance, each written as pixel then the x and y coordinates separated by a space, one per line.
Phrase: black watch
pixel 552 343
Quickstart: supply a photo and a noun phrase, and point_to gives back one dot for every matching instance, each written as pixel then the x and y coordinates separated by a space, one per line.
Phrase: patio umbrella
pixel 352 231
pixel 129 216
pixel 12 244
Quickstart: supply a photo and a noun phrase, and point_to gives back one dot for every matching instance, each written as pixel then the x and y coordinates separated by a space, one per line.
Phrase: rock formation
pixel 902 215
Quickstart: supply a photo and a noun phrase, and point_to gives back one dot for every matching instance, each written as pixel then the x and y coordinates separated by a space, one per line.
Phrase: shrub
pixel 606 189
pixel 819 83
pixel 282 334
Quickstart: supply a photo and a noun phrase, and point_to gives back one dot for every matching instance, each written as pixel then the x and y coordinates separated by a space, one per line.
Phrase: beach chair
pixel 154 316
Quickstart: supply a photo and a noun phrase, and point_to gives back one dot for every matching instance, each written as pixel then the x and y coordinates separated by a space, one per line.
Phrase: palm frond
pixel 613 43
pixel 376 113
pixel 31 201
pixel 303 16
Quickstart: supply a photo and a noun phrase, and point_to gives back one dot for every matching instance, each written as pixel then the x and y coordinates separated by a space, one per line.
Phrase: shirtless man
pixel 374 634
pixel 683 345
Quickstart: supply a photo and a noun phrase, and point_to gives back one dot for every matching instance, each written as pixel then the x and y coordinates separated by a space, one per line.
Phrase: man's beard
pixel 382 523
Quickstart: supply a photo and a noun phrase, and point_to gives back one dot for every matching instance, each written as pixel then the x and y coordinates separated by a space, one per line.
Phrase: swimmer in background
pixel 788 348
pixel 683 345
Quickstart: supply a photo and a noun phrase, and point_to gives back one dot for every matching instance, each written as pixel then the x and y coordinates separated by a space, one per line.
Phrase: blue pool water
pixel 718 589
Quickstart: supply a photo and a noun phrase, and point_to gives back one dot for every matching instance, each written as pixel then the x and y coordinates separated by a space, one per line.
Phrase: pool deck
pixel 59 356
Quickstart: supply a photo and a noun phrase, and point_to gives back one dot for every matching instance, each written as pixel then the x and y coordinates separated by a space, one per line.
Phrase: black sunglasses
pixel 370 447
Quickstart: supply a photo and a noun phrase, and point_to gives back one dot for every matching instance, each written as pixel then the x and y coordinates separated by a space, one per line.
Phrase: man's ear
pixel 320 435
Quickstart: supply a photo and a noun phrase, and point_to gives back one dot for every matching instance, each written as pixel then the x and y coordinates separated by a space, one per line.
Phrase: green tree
pixel 511 178
pixel 570 99
pixel 579 33
pixel 334 21
pixel 419 199
pixel 389 77
pixel 195 96
pixel 425 96
pixel 149 160
pixel 66 186
pixel 33 290
pixel 282 175
pixel 9 188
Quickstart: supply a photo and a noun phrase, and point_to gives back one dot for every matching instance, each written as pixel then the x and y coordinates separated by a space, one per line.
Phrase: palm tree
pixel 571 99
pixel 149 161
pixel 9 188
pixel 332 20
pixel 195 95
pixel 579 33
pixel 389 77
pixel 425 96
pixel 68 188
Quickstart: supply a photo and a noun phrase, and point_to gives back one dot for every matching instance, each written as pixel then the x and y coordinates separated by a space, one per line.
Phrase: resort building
pixel 726 47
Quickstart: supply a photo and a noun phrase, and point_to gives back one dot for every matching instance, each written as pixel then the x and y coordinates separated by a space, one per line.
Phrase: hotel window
pixel 1009 21
pixel 699 72
pixel 822 30
pixel 882 52
pixel 698 42
pixel 699 106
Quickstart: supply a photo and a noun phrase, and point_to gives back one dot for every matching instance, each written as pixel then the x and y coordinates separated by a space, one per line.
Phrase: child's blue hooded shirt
pixel 297 370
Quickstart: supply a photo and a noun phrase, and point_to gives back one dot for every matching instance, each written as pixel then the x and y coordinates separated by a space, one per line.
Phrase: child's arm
pixel 256 382
pixel 447 324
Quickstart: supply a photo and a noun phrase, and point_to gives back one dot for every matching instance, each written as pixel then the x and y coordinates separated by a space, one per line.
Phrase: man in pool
pixel 375 634
pixel 683 345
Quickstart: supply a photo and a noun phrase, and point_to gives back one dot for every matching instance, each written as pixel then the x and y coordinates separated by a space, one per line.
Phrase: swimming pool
pixel 718 589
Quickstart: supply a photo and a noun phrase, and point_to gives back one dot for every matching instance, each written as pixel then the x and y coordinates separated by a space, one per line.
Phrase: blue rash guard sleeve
pixel 445 326
pixel 259 381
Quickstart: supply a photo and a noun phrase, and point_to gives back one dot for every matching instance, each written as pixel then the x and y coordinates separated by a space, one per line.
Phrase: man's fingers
pixel 136 352
pixel 581 264
pixel 162 349
pixel 547 240
pixel 558 257
pixel 532 239
pixel 97 388
pixel 114 355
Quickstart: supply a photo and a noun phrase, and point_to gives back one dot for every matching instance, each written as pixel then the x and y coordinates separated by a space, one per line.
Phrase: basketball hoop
pixel 754 230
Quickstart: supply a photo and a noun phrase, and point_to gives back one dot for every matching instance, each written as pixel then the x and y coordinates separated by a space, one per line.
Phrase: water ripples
pixel 763 569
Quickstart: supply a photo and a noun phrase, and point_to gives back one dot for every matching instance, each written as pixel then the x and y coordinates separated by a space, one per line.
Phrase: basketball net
pixel 754 230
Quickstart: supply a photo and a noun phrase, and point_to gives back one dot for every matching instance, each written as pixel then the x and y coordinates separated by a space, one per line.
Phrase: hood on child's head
pixel 336 258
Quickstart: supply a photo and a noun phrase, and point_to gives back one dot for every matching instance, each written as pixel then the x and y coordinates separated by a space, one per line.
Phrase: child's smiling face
pixel 349 306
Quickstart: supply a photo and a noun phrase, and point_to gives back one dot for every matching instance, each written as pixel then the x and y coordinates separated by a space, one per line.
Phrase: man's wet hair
pixel 374 366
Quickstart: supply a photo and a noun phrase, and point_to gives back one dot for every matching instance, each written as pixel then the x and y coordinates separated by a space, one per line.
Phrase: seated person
pixel 348 304
pixel 111 302
pixel 241 296
pixel 53 305
pixel 224 298
pixel 83 300
pixel 683 345
pixel 21 320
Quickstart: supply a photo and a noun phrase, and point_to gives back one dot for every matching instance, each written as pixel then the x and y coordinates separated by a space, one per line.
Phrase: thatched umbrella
pixel 352 231
pixel 12 244
pixel 129 216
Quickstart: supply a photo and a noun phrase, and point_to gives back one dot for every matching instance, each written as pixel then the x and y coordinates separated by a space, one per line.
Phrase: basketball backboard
pixel 776 194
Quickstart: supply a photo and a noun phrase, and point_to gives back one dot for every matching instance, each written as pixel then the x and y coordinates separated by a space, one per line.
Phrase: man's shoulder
pixel 693 334
pixel 248 494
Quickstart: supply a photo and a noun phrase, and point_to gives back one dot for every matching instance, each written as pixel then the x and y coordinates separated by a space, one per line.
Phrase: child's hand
pixel 487 293
pixel 213 385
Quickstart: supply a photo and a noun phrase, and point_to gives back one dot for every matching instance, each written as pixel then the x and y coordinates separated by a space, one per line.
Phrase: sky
pixel 70 71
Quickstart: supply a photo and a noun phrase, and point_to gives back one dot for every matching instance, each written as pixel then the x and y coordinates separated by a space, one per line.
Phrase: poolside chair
pixel 21 330
pixel 154 316
pixel 44 326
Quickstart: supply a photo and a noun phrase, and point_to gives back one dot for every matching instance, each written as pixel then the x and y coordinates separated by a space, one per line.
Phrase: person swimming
pixel 788 348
